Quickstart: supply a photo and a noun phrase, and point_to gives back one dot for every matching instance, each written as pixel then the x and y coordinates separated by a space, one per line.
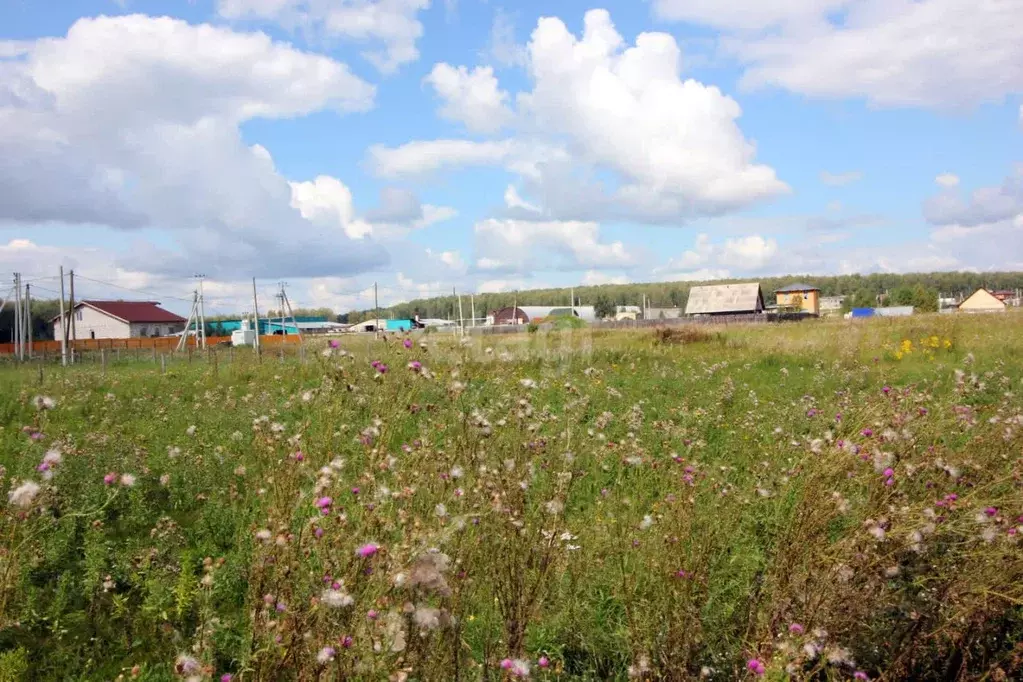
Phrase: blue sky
pixel 431 144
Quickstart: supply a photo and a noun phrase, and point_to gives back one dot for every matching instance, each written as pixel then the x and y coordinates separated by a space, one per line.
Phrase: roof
pixel 982 298
pixel 797 286
pixel 131 311
pixel 725 298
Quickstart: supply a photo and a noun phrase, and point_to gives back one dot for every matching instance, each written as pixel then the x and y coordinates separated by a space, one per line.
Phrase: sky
pixel 427 146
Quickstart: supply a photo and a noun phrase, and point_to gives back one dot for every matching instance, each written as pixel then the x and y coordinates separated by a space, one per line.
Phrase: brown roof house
pixel 121 320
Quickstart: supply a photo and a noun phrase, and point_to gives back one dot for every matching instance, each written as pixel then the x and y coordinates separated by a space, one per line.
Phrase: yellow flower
pixel 898 355
pixel 948 344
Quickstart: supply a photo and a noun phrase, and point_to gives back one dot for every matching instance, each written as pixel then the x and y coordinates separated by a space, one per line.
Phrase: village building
pixel 120 320
pixel 725 299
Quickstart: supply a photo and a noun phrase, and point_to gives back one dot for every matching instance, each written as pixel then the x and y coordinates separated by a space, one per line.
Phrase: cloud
pixel 514 202
pixel 525 246
pixel 397 205
pixel 947 180
pixel 472 98
pixel 840 179
pixel 611 130
pixel 392 23
pixel 420 157
pixel 504 49
pixel 710 260
pixel 932 53
pixel 597 278
pixel 984 205
pixel 133 122
pixel 746 15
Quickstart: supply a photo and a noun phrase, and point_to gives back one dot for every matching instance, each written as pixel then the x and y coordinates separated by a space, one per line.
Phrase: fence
pixel 160 343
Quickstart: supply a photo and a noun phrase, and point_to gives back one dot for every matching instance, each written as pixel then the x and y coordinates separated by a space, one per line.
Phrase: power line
pixel 133 290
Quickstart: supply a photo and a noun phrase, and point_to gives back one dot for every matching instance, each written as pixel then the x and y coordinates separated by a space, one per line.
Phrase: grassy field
pixel 825 501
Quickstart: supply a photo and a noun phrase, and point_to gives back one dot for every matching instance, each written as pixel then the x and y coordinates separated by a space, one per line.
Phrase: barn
pixel 120 320
pixel 725 299
pixel 524 314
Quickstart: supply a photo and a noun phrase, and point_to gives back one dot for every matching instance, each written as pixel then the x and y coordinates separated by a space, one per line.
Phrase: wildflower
pixel 326 655
pixel 336 598
pixel 991 512
pixel 646 522
pixel 318 532
pixel 756 667
pixel 110 478
pixel 367 550
pixel 324 502
pixel 372 614
pixel 24 494
pixel 527 383
pixel 226 677
pixel 860 675
pixel 415 365
pixel 44 402
pixel 347 641
pixel 544 662
pixel 334 343
pixel 185 665
pixel 298 456
pixel 165 480
pixel 263 535
pixel 440 510
pixel 456 472
pixel 127 480
pixel 796 628
pixel 190 430
pixel 427 617
pixel 407 343
pixel 554 507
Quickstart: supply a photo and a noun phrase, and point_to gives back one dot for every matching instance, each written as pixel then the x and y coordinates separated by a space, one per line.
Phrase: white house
pixel 121 320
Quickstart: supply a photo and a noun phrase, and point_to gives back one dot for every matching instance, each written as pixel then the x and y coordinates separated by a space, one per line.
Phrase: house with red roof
pixel 121 320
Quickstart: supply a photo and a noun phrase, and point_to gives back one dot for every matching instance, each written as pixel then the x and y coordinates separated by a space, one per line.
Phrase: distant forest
pixel 920 289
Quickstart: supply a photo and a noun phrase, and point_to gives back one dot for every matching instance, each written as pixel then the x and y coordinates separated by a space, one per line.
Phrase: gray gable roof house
pixel 725 299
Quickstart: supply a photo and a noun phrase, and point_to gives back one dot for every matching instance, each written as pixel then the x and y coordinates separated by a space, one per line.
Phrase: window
pixel 78 315
pixel 92 334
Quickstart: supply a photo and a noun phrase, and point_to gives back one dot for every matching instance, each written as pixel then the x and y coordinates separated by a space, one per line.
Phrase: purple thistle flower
pixel 860 675
pixel 318 532
pixel 346 641
pixel 281 607
pixel 506 664
pixel 372 614
pixel 334 343
pixel 298 456
pixel 886 390
pixel 415 365
pixel 407 343
pixel 226 677
pixel 110 478
pixel 991 511
pixel 796 628
pixel 867 433
pixel 355 490
pixel 367 550
pixel 544 662
pixel 756 667
pixel 324 502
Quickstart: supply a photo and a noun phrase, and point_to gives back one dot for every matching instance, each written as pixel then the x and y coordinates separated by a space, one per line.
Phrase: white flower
pixel 307 396
pixel 173 451
pixel 554 507
pixel 427 618
pixel 44 402
pixel 527 383
pixel 336 598
pixel 190 430
pixel 127 480
pixel 263 535
pixel 646 522
pixel 456 471
pixel 165 479
pixel 24 494
pixel 440 510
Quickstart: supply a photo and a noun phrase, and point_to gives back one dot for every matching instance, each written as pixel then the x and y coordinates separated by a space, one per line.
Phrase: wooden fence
pixel 160 343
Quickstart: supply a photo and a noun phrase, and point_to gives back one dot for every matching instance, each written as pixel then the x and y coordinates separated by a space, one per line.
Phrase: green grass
pixel 616 502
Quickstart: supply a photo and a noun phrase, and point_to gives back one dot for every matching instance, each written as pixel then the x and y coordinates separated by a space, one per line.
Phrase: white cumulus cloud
pixel 527 246
pixel 472 98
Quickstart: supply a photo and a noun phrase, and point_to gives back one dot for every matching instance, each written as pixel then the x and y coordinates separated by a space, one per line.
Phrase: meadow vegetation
pixel 817 501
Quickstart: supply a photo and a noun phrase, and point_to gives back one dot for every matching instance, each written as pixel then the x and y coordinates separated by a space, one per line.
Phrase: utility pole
pixel 28 318
pixel 63 322
pixel 571 295
pixel 201 334
pixel 17 316
pixel 192 313
pixel 291 311
pixel 74 332
pixel 461 320
pixel 376 311
pixel 515 308
pixel 255 310
pixel 472 302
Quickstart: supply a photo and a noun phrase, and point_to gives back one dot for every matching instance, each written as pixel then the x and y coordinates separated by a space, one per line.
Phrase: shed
pixel 725 299
pixel 805 297
pixel 524 314
pixel 982 301
pixel 861 312
pixel 894 311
